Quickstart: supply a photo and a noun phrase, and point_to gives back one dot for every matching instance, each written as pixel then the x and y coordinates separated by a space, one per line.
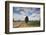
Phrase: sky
pixel 19 13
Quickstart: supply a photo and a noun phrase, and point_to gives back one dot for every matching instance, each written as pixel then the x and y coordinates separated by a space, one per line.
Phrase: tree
pixel 26 19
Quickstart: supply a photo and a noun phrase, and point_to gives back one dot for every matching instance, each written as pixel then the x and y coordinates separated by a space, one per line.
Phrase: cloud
pixel 34 17
pixel 19 17
pixel 22 17
pixel 20 13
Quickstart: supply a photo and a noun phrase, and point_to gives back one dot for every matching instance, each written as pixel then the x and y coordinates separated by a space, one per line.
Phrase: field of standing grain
pixel 23 24
pixel 19 24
